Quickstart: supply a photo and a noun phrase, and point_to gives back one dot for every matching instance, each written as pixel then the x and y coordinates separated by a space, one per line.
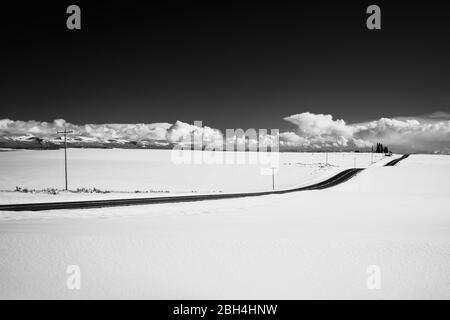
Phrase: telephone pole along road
pixel 331 182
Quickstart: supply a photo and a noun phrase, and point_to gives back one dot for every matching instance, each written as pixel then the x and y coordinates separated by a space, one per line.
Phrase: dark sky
pixel 232 66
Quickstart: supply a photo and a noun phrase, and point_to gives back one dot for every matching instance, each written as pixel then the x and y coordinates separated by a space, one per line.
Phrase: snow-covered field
pixel 311 244
pixel 157 172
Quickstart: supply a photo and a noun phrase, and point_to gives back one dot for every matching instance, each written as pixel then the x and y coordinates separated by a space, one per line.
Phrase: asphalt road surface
pixel 394 162
pixel 333 181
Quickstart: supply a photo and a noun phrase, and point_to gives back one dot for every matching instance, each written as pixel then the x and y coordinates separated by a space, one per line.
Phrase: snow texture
pixel 311 244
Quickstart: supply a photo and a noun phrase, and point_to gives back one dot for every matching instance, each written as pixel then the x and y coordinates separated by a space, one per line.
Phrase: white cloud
pixel 422 134
pixel 360 143
pixel 425 133
pixel 310 124
pixel 132 132
pixel 316 131
pixel 186 134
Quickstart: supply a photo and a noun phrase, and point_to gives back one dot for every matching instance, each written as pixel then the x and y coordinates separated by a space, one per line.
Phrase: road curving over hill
pixel 395 161
pixel 330 182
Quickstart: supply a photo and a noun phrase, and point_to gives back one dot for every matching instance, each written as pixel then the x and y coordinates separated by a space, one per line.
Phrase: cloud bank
pixel 420 134
pixel 133 132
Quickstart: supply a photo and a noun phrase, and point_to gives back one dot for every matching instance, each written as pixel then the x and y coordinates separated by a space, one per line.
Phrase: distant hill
pixel 33 142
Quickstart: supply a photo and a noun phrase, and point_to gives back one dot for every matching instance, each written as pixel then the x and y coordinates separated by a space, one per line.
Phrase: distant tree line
pixel 381 148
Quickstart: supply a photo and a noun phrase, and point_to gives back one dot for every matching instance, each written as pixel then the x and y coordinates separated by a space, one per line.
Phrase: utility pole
pixel 65 132
pixel 371 156
pixel 273 178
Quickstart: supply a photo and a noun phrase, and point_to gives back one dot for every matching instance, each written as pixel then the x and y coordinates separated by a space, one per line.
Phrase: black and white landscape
pixel 248 151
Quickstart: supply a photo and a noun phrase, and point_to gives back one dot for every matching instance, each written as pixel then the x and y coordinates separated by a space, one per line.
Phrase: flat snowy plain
pixel 158 172
pixel 302 245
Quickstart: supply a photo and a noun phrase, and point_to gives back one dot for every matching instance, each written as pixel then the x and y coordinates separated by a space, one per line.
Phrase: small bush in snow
pixel 89 190
pixel 46 191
